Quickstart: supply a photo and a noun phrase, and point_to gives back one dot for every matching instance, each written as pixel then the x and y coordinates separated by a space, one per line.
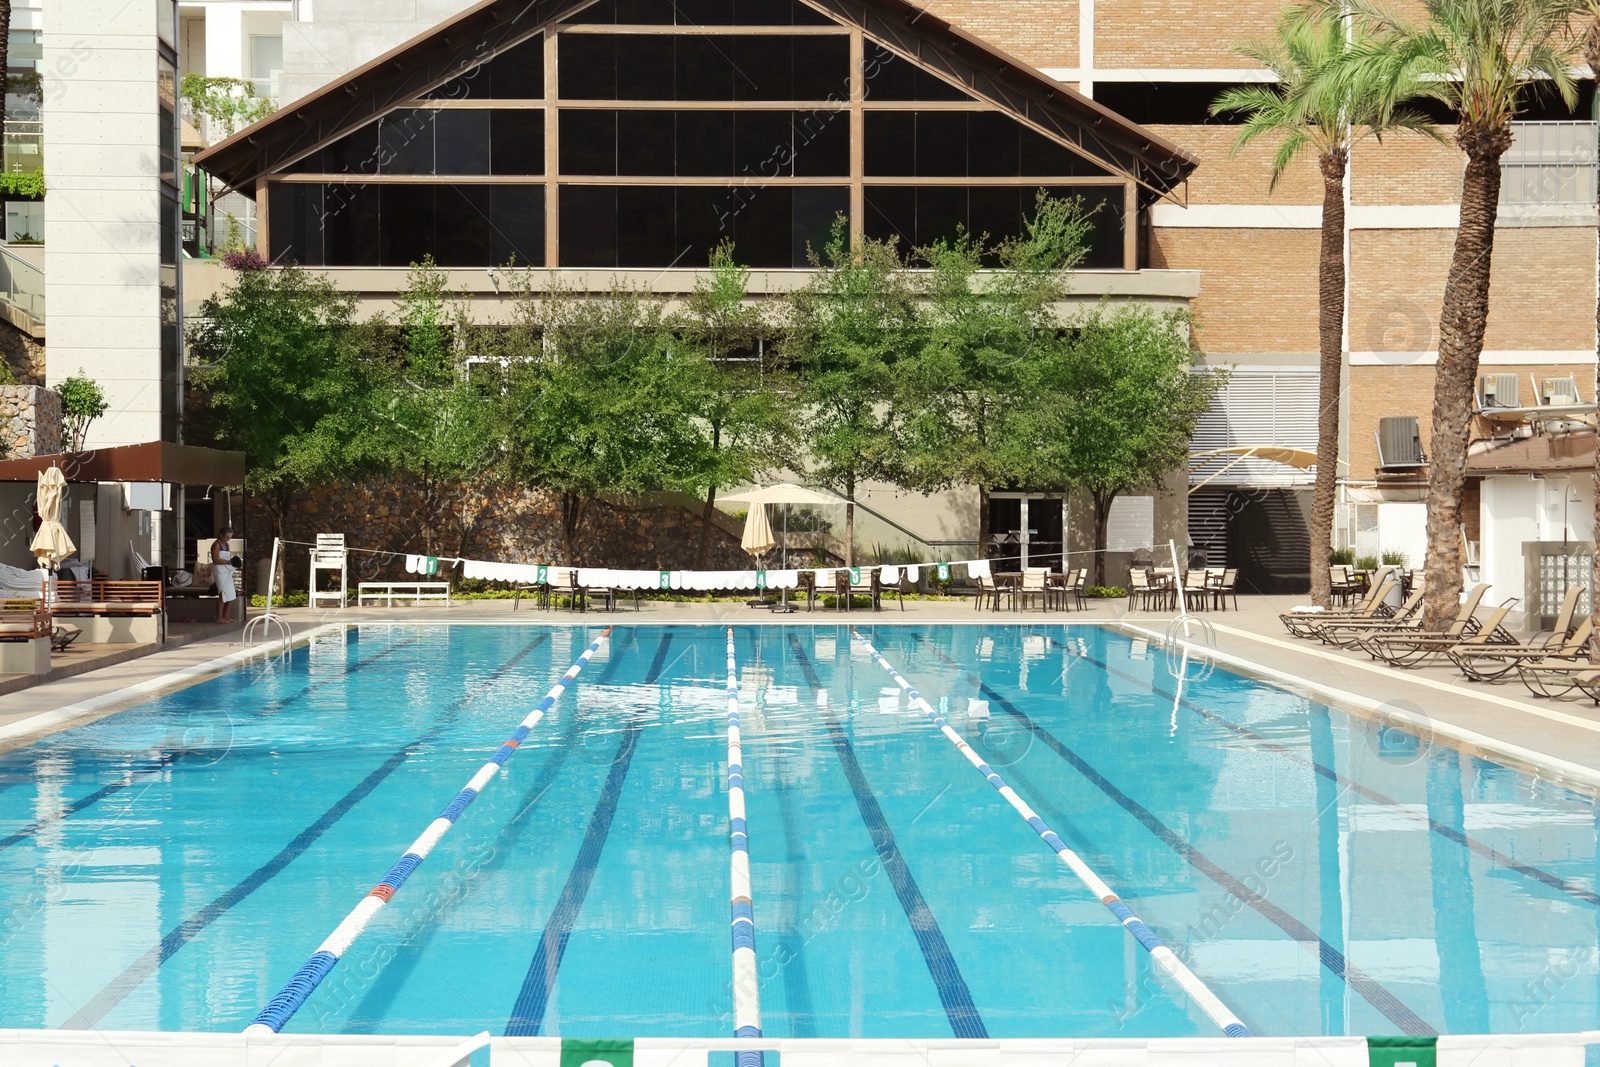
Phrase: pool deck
pixel 1558 739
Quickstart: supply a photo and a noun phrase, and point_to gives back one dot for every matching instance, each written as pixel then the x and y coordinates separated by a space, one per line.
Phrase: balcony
pixel 24 146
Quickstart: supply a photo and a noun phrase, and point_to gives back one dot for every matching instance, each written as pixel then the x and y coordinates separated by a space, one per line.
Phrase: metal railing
pixel 24 146
pixel 21 283
pixel 1551 163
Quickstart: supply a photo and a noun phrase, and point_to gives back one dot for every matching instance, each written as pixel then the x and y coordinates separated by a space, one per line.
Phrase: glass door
pixel 1026 531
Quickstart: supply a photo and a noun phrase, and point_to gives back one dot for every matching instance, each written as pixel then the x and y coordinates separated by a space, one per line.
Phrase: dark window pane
pixel 518 73
pixel 311 164
pixel 645 235
pixel 993 145
pixel 641 13
pixel 516 140
pixel 941 210
pixel 1042 157
pixel 891 142
pixel 822 144
pixel 763 12
pixel 705 219
pixel 761 141
pixel 822 68
pixel 705 143
pixel 705 69
pixel 1105 204
pixel 350 225
pixel 814 212
pixel 645 67
pixel 295 231
pixel 704 12
pixel 463 235
pixel 941 144
pixel 603 13
pixel 645 143
pixel 892 213
pixel 356 153
pixel 406 216
pixel 517 217
pixel 588 226
pixel 461 141
pixel 407 142
pixel 588 142
pixel 805 15
pixel 996 211
pixel 587 66
pixel 888 76
pixel 765 68
pixel 763 231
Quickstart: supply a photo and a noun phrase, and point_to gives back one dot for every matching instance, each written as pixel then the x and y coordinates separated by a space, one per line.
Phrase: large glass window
pixel 962 144
pixel 394 224
pixel 515 74
pixel 662 226
pixel 455 140
pixel 661 66
pixel 167 116
pixel 721 144
pixel 918 216
pixel 891 77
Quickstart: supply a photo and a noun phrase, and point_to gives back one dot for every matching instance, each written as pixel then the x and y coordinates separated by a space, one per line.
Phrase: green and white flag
pixel 664 580
pixel 542 575
pixel 432 566
pixel 855 575
pixel 944 572
pixel 596 1052
pixel 761 579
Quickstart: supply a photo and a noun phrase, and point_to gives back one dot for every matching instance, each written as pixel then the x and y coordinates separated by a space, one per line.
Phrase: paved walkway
pixel 1551 738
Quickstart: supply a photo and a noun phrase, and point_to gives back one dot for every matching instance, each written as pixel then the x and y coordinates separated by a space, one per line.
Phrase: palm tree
pixel 1480 58
pixel 1590 47
pixel 1321 103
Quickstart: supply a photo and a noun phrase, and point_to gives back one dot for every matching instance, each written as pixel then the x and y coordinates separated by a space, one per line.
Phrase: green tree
pixel 229 102
pixel 845 331
pixel 1127 390
pixel 438 430
pixel 600 406
pixel 747 427
pixel 961 392
pixel 82 401
pixel 1321 103
pixel 279 354
pixel 1481 59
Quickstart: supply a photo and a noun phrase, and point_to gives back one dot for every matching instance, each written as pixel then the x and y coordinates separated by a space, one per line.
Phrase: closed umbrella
pixel 757 539
pixel 51 544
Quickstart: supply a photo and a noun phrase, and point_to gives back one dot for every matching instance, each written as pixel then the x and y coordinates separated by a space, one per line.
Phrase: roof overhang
pixel 1565 453
pixel 425 62
pixel 152 461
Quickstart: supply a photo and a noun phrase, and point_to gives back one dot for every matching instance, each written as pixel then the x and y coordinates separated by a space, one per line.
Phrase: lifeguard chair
pixel 329 555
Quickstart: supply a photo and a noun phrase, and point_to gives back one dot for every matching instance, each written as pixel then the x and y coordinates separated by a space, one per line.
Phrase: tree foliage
pixel 82 401
pixel 232 103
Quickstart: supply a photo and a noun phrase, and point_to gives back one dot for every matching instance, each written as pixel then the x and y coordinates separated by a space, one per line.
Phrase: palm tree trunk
pixel 1592 54
pixel 1461 326
pixel 1330 331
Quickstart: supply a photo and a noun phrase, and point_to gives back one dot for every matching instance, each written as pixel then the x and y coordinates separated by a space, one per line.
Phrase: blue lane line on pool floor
pixel 527 1013
pixel 959 1009
pixel 167 760
pixel 108 998
pixel 1488 852
pixel 1358 980
pixel 386 985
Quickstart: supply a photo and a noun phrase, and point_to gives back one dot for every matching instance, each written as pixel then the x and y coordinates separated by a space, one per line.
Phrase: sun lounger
pixel 1415 648
pixel 1486 663
pixel 1377 643
pixel 1304 623
pixel 1345 633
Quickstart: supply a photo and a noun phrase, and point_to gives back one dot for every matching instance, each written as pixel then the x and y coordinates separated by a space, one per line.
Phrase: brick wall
pixel 1178 33
pixel 1542 289
pixel 1225 178
pixel 1407 168
pixel 1258 292
pixel 1041 32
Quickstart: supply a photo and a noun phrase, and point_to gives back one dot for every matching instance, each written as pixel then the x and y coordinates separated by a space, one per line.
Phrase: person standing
pixel 222 574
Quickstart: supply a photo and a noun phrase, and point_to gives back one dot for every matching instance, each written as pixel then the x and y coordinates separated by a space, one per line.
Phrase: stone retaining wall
pixel 30 421
pixel 509 525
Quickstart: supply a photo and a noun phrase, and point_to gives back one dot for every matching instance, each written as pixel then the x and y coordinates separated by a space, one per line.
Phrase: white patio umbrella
pixel 51 544
pixel 785 493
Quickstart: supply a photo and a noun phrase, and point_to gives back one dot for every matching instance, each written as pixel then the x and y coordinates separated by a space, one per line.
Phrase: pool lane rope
pixel 1197 990
pixel 746 986
pixel 281 1008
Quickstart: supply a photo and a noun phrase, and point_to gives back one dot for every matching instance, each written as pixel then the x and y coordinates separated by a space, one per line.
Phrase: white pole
pixel 272 575
pixel 1178 582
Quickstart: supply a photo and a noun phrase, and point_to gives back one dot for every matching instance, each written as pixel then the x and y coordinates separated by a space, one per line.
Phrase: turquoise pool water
pixel 171 866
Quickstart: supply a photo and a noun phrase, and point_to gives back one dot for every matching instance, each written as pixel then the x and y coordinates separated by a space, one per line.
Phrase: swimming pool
pixel 171 866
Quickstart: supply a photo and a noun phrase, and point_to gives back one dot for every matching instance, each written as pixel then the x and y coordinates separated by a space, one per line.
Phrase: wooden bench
pixel 413 591
pixel 24 620
pixel 117 612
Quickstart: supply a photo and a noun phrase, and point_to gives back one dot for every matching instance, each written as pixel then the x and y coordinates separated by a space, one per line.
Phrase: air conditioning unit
pixel 1499 390
pixel 1399 444
pixel 1559 390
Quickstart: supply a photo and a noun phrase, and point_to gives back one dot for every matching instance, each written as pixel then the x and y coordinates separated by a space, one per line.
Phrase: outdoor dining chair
pixel 1033 586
